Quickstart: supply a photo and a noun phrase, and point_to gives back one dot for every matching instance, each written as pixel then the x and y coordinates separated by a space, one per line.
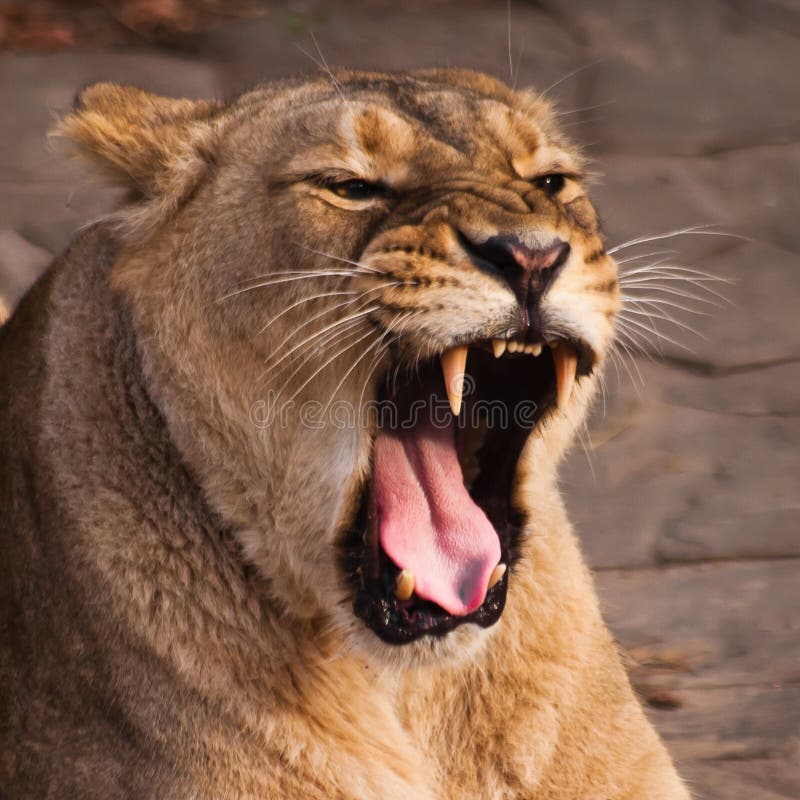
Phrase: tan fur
pixel 176 624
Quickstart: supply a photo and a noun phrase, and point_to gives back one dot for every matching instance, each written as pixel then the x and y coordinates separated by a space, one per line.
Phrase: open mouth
pixel 437 531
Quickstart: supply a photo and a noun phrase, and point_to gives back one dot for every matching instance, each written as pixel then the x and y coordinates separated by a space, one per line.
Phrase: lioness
pixel 279 441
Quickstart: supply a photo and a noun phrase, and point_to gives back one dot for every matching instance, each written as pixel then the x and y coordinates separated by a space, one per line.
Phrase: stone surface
pixel 19 260
pixel 716 655
pixel 751 779
pixel 389 36
pixel 723 625
pixel 42 195
pixel 689 78
pixel 713 469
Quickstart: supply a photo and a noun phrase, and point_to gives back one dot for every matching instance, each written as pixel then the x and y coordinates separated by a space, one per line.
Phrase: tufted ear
pixel 158 147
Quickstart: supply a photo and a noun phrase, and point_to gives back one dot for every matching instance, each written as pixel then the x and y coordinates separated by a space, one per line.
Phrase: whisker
pixel 659 334
pixel 586 445
pixel 370 332
pixel 298 277
pixel 594 107
pixel 323 65
pixel 620 343
pixel 614 356
pixel 312 271
pixel 344 260
pixel 381 351
pixel 333 325
pixel 313 318
pixel 655 284
pixel 660 301
pixel 330 309
pixel 317 346
pixel 517 68
pixel 674 270
pixel 694 230
pixel 637 348
pixel 636 337
pixel 663 316
pixel 653 254
pixel 347 374
pixel 567 77
pixel 308 300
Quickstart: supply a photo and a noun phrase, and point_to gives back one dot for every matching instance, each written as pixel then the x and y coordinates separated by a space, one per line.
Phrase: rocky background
pixel 685 493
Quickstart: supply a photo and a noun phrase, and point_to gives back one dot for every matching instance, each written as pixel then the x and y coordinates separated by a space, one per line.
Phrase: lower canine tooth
pixel 566 362
pixel 404 584
pixel 497 575
pixel 499 347
pixel 454 364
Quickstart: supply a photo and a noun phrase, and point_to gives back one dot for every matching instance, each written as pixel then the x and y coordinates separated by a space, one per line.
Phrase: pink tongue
pixel 427 522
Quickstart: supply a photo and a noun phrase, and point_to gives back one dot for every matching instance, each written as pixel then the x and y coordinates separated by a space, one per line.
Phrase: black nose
pixel 529 271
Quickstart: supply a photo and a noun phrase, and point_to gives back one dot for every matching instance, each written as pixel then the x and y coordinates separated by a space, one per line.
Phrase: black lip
pixel 511 381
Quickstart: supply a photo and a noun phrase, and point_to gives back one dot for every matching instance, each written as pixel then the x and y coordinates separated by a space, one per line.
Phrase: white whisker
pixel 660 301
pixel 298 277
pixel 347 374
pixel 323 65
pixel 344 260
pixel 316 346
pixel 337 354
pixel 620 343
pixel 655 284
pixel 308 300
pixel 329 309
pixel 657 333
pixel 653 254
pixel 566 77
pixel 333 325
pixel 569 111
pixel 674 270
pixel 662 316
pixel 695 230
pixel 398 319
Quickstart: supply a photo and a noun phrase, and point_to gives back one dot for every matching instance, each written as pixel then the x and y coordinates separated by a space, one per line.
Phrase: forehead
pixel 393 124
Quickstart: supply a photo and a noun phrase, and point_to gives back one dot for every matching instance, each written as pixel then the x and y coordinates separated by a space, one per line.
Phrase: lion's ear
pixel 159 147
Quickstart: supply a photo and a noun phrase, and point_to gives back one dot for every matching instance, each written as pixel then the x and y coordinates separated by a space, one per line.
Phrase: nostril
pixel 551 260
pixel 493 253
pixel 525 268
pixel 544 260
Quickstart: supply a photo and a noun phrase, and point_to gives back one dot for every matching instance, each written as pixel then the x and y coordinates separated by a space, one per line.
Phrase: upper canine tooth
pixel 499 347
pixel 566 362
pixel 454 364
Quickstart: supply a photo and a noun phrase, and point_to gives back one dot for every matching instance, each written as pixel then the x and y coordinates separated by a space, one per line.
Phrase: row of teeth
pixel 404 583
pixel 454 365
pixel 513 346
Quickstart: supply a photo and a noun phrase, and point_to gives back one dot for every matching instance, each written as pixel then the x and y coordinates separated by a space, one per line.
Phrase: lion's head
pixel 313 267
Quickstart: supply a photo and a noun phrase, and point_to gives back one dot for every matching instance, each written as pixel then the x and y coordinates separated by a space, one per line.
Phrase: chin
pixel 463 643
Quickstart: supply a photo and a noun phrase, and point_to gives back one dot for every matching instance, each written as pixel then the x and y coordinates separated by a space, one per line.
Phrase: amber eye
pixel 550 184
pixel 356 189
